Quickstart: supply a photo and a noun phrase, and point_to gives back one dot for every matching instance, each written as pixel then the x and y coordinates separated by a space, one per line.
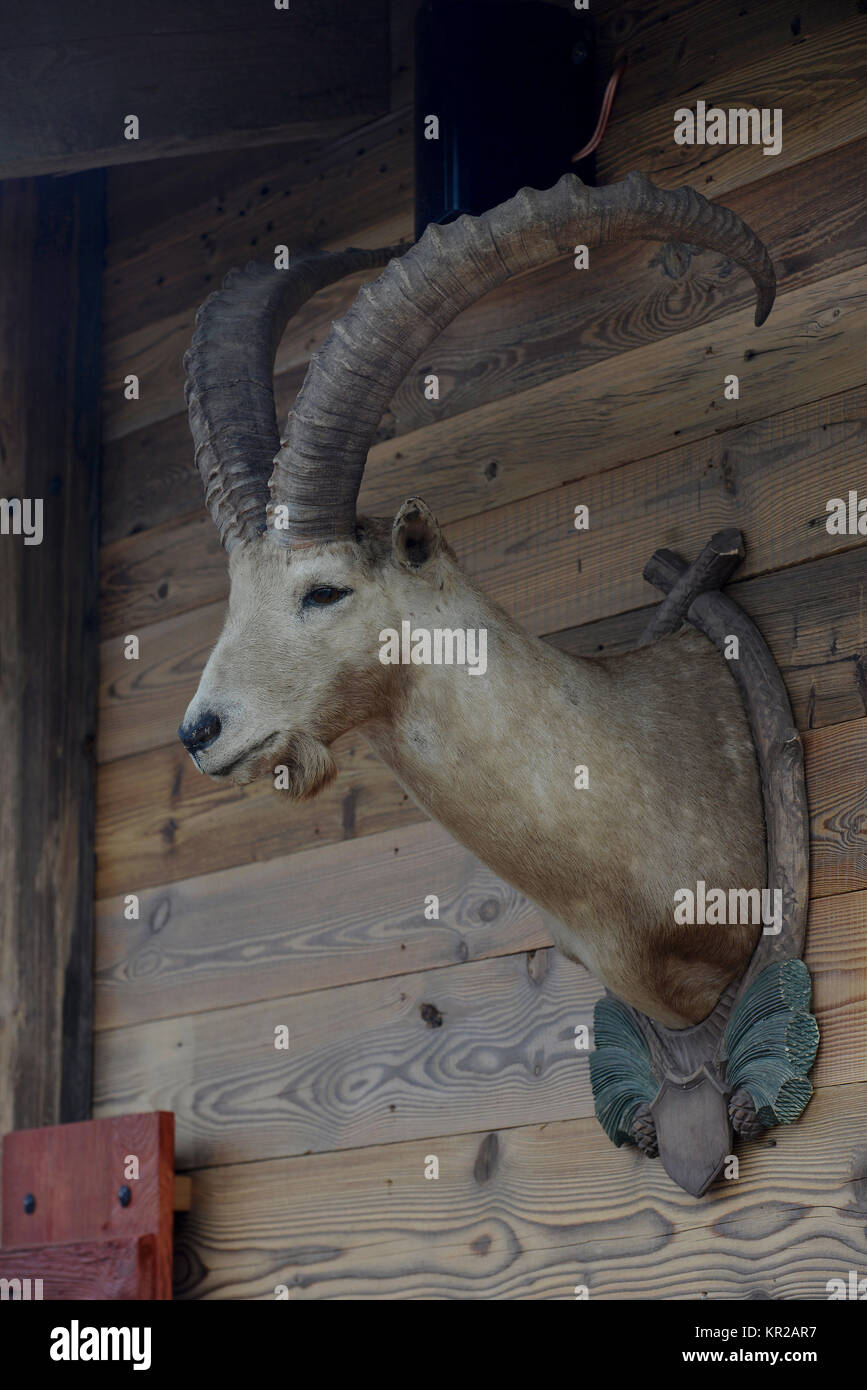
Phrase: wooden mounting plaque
pixel 690 1122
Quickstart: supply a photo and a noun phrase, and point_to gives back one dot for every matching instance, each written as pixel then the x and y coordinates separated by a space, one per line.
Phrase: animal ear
pixel 415 535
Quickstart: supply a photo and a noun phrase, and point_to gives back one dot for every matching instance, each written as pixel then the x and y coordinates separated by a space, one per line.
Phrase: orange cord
pixel 607 101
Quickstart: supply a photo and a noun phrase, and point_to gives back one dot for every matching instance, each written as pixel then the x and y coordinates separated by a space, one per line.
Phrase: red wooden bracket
pixel 88 1208
pixel 96 1269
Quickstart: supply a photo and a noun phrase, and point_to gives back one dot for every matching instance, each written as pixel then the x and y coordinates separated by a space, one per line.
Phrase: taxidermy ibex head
pixel 673 794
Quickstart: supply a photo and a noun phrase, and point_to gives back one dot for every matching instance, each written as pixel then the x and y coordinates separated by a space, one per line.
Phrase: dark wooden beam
pixel 199 75
pixel 51 242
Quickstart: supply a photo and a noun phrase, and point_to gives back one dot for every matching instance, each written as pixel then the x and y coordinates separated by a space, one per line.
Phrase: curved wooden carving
pixel 745 1066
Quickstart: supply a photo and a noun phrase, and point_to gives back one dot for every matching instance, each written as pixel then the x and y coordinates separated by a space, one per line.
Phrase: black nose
pixel 201 734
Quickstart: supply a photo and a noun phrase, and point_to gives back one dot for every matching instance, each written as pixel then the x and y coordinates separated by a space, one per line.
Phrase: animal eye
pixel 323 595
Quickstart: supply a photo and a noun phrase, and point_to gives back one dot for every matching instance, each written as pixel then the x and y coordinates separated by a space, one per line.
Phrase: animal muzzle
pixel 198 736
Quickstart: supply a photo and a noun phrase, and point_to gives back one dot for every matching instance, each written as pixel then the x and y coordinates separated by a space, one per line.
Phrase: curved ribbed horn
pixel 352 379
pixel 230 378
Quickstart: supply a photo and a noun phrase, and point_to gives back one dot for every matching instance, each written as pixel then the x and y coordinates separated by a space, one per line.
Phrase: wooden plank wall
pixel 456 1038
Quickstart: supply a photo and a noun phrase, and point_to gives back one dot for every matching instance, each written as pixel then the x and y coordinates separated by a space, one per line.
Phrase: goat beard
pixel 302 767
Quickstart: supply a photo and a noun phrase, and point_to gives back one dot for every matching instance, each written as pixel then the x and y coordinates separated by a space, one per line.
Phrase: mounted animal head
pixel 312 583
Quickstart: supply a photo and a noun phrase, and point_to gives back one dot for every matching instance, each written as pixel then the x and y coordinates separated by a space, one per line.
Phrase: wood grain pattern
pixel 51 233
pixel 347 912
pixel 550 322
pixel 325 197
pixel 621 409
pixel 199 77
pixel 352 188
pixel 154 574
pixel 837 959
pixel 118 1270
pixel 159 820
pixel 525 333
pixel 143 201
pixel 624 407
pixel 364 1062
pixel 820 88
pixel 837 797
pixel 154 308
pixel 531 1213
pixel 670 52
pixel 416 1054
pixel 141 198
pixel 150 474
pixel 155 355
pixel 358 188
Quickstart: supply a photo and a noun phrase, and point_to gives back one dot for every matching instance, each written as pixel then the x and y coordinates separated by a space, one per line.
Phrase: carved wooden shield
pixel 693 1128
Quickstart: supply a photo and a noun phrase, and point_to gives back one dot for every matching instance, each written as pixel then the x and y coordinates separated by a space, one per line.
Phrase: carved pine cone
pixel 742 1114
pixel 644 1131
